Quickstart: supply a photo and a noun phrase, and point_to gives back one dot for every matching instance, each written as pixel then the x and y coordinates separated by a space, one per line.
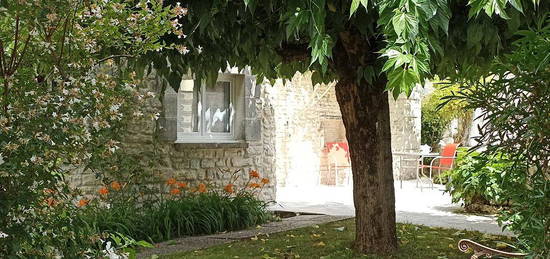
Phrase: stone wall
pixel 307 117
pixel 286 129
pixel 405 119
pixel 195 163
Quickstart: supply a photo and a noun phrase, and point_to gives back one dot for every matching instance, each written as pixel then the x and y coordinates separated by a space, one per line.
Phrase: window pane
pixel 218 107
pixel 189 110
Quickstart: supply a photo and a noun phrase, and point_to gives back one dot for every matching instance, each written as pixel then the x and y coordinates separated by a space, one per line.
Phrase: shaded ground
pixel 333 240
pixel 198 242
pixel 426 206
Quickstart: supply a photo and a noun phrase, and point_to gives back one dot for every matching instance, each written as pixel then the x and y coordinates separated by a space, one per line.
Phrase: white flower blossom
pixel 3 235
pixel 155 116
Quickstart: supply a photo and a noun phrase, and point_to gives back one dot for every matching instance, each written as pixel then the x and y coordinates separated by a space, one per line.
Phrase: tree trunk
pixel 365 112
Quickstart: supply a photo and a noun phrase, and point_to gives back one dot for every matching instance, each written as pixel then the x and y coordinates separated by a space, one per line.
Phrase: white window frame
pixel 202 136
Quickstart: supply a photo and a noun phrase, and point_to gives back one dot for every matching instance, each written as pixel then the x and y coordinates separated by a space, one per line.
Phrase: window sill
pixel 228 144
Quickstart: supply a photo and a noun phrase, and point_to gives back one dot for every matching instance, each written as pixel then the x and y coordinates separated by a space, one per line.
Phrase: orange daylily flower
pixel 265 180
pixel 254 174
pixel 103 191
pixel 182 185
pixel 171 181
pixel 202 188
pixel 51 202
pixel 229 188
pixel 254 185
pixel 83 202
pixel 116 186
pixel 175 191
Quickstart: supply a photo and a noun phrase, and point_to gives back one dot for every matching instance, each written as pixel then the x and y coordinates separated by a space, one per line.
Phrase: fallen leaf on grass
pixel 319 244
pixel 501 245
pixel 255 238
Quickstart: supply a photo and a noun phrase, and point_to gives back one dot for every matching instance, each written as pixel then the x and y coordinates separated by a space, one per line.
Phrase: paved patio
pixel 430 207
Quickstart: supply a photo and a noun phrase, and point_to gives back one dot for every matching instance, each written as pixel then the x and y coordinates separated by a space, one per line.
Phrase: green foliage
pixel 176 217
pixel 65 96
pixel 479 180
pixel 515 104
pixel 437 112
pixel 403 41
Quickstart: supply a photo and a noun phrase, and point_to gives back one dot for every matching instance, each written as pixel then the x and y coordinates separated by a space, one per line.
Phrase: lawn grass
pixel 333 240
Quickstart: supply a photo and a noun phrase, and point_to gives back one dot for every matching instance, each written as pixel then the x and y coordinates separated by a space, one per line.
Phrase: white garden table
pixel 418 157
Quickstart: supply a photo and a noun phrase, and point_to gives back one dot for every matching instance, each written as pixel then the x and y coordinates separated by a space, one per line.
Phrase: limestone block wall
pixel 195 163
pixel 405 119
pixel 307 117
pixel 297 125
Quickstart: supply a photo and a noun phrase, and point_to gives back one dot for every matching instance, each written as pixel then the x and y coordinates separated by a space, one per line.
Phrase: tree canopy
pixel 406 40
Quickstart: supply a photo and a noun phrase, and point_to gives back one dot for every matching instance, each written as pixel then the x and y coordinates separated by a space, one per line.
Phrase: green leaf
pixel 517 4
pixel 355 5
pixel 143 243
pixel 405 25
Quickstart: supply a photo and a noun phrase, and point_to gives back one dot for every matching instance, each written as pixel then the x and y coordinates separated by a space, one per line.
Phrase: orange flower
pixel 229 188
pixel 103 191
pixel 254 174
pixel 265 180
pixel 182 185
pixel 51 202
pixel 83 202
pixel 254 185
pixel 49 191
pixel 175 191
pixel 116 186
pixel 202 188
pixel 171 181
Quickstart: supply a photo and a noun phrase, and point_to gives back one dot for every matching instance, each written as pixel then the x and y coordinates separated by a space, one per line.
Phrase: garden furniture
pixel 445 161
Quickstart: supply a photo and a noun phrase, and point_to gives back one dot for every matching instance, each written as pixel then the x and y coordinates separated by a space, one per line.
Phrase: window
pixel 210 113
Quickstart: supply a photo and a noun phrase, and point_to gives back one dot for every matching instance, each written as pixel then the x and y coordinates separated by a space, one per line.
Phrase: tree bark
pixel 365 112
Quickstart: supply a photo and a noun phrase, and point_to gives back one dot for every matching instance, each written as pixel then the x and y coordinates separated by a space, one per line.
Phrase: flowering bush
pixel 66 92
pixel 177 208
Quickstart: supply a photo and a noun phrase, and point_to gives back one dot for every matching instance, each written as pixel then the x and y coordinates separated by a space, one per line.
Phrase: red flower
pixel 254 174
pixel 182 185
pixel 254 185
pixel 175 191
pixel 83 202
pixel 103 191
pixel 202 188
pixel 51 202
pixel 171 181
pixel 229 188
pixel 265 180
pixel 116 186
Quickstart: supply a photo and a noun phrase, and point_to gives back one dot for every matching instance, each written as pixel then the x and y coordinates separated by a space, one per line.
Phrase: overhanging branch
pixel 293 52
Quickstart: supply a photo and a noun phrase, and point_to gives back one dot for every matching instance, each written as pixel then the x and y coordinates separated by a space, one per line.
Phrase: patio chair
pixel 444 161
pixel 339 162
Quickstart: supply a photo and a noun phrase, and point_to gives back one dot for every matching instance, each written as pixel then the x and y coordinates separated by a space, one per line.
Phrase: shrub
pixel 177 209
pixel 515 105
pixel 477 180
pixel 437 117
pixel 66 94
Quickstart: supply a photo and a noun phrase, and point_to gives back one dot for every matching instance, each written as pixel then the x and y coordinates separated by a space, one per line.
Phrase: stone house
pixel 280 130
